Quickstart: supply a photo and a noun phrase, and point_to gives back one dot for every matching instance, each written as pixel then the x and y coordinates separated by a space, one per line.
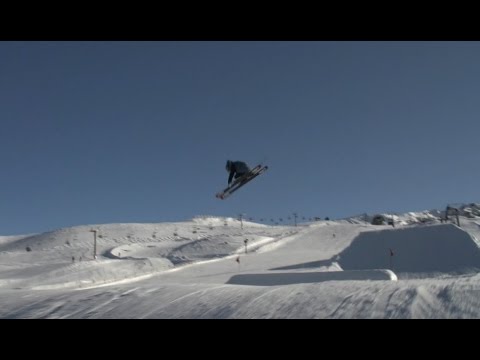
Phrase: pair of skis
pixel 238 183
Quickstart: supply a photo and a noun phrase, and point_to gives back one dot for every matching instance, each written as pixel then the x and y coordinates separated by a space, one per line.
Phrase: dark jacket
pixel 237 169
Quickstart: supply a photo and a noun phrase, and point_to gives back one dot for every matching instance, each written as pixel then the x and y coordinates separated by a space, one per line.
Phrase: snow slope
pixel 213 267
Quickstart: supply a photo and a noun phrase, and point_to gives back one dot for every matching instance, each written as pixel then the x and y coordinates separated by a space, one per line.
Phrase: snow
pixel 215 267
pixel 442 248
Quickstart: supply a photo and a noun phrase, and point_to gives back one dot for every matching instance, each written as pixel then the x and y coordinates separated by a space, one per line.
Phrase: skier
pixel 236 169
pixel 242 173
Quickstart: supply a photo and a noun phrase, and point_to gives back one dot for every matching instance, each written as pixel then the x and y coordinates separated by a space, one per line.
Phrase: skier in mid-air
pixel 242 174
pixel 236 169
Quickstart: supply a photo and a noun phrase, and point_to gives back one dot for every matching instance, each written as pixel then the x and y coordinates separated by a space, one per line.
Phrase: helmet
pixel 228 166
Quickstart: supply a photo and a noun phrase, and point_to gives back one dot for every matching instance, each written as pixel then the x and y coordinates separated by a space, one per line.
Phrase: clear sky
pixel 106 132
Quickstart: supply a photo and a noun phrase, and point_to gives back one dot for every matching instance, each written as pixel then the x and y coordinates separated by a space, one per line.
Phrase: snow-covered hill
pixel 215 267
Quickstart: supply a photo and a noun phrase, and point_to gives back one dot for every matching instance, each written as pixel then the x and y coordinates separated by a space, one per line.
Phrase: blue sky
pixel 105 132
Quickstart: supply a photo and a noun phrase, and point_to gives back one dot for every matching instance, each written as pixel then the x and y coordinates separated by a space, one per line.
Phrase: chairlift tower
pixel 94 243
